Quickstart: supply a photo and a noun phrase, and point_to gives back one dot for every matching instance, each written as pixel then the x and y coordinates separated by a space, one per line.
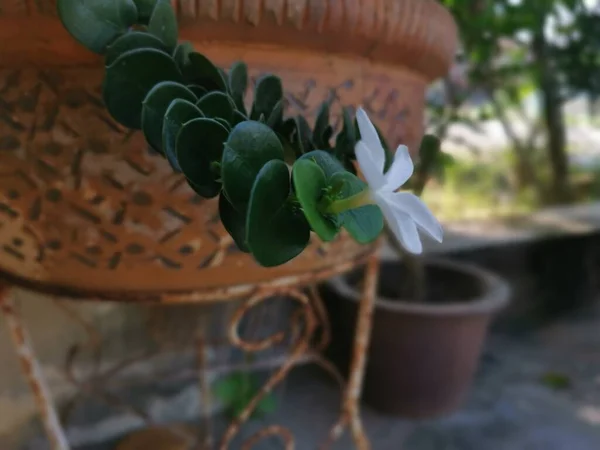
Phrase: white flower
pixel 403 211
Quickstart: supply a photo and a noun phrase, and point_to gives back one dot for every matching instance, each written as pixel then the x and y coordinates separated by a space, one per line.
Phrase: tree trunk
pixel 554 120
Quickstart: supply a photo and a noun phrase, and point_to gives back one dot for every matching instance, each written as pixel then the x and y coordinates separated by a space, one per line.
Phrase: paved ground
pixel 538 391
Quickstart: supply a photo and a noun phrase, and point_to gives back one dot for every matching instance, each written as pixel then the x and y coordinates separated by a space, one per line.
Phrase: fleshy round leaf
pixel 145 8
pixel 276 230
pixel 321 133
pixel 223 122
pixel 96 23
pixel 234 222
pixel 217 104
pixel 267 94
pixel 199 149
pixel 163 23
pixel 346 139
pixel 238 83
pixel 203 72
pixel 275 119
pixel 198 91
pixel 129 79
pixel 325 161
pixel 249 147
pixel 131 41
pixel 155 106
pixel 181 55
pixel 304 135
pixel 179 112
pixel 310 183
pixel 365 223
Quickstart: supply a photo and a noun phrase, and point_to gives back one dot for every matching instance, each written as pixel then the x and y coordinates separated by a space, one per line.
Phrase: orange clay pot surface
pixel 86 210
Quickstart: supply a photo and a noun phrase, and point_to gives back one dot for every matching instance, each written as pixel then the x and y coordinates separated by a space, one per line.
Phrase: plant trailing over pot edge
pixel 277 179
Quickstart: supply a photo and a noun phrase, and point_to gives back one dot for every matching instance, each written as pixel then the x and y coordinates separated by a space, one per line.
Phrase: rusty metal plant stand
pixel 313 314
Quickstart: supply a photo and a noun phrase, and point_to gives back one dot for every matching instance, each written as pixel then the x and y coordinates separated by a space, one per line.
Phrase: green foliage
pixel 364 224
pixel 128 80
pixel 234 222
pixel 179 112
pixel 322 131
pixel 272 174
pixel 276 230
pixel 249 147
pixel 145 8
pixel 199 70
pixel 267 96
pixel 163 24
pixel 311 184
pixel 237 390
pixel 217 105
pixel 155 106
pixel 96 23
pixel 132 41
pixel 199 158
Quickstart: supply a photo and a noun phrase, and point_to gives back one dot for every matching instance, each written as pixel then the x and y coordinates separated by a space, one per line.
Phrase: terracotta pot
pixel 423 355
pixel 85 209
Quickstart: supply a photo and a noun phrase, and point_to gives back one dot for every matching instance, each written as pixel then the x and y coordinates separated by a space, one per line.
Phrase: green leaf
pixel 179 112
pixel 145 8
pixel 249 147
pixel 181 55
pixel 223 122
pixel 267 405
pixel 346 139
pixel 364 224
pixel 163 23
pixel 275 119
pixel 198 91
pixel 199 150
pixel 325 161
pixel 131 41
pixel 228 388
pixel 234 222
pixel 217 104
pixel 321 134
pixel 128 80
pixel 203 72
pixel 267 94
pixel 155 106
pixel 276 231
pixel 96 23
pixel 304 135
pixel 310 183
pixel 238 83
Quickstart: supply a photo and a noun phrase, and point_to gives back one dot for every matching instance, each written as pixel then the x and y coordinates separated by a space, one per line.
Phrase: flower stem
pixel 345 204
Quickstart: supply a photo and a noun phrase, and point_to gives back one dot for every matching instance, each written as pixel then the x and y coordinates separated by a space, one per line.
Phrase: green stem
pixel 339 206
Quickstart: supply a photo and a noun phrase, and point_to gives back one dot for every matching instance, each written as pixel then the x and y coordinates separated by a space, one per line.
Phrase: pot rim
pixel 495 296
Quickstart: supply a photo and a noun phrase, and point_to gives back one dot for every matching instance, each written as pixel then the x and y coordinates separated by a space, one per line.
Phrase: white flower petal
pixel 368 134
pixel 401 225
pixel 369 166
pixel 401 170
pixel 409 236
pixel 413 206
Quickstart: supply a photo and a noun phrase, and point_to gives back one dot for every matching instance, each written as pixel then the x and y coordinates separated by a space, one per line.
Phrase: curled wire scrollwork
pixel 303 324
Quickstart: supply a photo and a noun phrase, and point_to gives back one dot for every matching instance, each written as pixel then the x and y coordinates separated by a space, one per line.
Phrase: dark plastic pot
pixel 423 355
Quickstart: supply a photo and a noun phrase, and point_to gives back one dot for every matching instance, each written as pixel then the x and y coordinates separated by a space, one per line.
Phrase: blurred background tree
pixel 512 49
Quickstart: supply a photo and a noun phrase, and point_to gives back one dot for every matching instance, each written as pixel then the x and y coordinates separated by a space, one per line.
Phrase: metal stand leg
pixel 351 409
pixel 32 371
